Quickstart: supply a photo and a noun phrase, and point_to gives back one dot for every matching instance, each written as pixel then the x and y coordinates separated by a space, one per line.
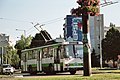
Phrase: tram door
pixel 57 59
pixel 25 62
pixel 39 67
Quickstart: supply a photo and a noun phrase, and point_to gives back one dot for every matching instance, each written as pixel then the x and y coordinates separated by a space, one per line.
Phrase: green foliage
pixel 15 57
pixel 11 56
pixel 95 59
pixel 112 25
pixel 23 42
pixel 86 7
pixel 110 44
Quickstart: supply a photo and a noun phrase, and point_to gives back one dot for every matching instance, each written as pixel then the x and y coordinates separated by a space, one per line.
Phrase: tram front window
pixel 78 51
pixel 74 51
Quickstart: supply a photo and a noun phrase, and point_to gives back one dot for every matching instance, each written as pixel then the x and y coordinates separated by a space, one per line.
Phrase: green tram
pixel 53 58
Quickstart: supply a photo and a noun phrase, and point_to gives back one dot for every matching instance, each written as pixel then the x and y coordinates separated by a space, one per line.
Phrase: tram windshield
pixel 74 51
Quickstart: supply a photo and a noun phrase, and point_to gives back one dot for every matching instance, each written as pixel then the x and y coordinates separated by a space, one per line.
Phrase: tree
pixel 110 44
pixel 11 56
pixel 23 43
pixel 95 59
pixel 112 25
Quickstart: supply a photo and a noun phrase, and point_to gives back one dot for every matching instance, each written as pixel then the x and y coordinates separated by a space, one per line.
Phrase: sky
pixel 20 14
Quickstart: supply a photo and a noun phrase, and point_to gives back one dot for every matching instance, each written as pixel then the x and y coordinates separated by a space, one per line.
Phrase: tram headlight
pixel 67 64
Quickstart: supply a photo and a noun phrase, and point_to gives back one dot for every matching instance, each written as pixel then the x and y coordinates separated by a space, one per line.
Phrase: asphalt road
pixel 27 75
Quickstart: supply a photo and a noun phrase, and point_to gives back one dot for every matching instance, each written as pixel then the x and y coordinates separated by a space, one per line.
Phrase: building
pixel 96 28
pixel 4 41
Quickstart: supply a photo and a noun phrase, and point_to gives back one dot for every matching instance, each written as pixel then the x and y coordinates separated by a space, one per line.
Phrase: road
pixel 27 75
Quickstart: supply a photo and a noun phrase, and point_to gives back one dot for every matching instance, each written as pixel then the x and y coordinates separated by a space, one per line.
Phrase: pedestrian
pixel 118 62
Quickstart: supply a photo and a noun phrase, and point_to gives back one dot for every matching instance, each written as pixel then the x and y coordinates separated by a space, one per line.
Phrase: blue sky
pixel 17 14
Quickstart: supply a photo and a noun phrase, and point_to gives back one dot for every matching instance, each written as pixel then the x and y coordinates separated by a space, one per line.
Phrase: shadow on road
pixel 57 74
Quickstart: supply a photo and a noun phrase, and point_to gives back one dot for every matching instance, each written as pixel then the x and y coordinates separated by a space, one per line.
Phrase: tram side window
pixel 55 53
pixel 22 56
pixel 62 52
pixel 32 55
pixel 66 52
pixel 51 52
pixel 29 55
pixel 46 53
pixel 38 55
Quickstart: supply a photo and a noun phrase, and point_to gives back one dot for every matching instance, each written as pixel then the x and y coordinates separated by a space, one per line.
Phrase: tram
pixel 53 58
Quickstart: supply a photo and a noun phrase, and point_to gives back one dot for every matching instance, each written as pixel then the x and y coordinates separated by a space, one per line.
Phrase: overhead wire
pixel 31 22
pixel 50 21
pixel 106 3
pixel 14 20
pixel 29 31
pixel 47 23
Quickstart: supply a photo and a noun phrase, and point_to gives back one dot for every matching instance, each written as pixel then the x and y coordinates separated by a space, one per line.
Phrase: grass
pixel 106 76
pixel 97 75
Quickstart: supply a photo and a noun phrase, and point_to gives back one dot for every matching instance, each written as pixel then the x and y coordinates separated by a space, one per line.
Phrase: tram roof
pixel 41 47
pixel 55 44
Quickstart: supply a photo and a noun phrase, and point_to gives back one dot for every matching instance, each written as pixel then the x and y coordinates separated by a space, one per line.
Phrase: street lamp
pixel 24 43
pixel 22 30
pixel 24 36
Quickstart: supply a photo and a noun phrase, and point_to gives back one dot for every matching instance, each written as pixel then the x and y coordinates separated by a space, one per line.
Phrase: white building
pixel 96 28
pixel 4 41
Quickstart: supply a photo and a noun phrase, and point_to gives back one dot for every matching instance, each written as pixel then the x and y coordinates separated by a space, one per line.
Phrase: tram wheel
pixel 50 69
pixel 72 72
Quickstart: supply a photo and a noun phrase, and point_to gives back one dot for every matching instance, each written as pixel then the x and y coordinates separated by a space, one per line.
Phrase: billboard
pixel 73 33
pixel 73 28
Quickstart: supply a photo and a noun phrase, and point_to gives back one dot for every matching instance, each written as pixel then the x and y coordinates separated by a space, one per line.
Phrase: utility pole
pixel 86 8
pixel 86 53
